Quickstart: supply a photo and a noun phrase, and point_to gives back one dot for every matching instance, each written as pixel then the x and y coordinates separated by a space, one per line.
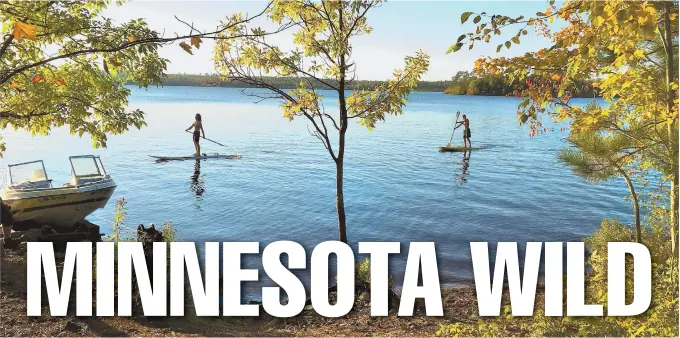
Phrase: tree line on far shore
pixel 469 83
pixel 212 80
pixel 463 83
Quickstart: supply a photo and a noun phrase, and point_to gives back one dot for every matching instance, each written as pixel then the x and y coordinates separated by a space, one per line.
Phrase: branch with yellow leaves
pixel 24 30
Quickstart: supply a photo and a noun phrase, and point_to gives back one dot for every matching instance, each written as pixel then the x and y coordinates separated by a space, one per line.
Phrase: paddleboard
pixel 457 149
pixel 183 158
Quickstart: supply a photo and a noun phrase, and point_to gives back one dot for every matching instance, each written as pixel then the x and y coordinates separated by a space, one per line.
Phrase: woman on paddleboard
pixel 198 129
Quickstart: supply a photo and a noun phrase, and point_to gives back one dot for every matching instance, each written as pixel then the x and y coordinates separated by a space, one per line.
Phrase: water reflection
pixel 197 185
pixel 465 165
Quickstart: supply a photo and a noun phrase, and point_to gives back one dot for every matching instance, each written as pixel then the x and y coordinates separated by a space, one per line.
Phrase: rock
pixel 29 236
pixel 72 326
pixel 21 248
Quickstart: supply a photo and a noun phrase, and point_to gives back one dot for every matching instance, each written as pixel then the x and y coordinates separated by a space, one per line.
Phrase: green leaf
pixel 454 48
pixel 464 17
pixel 515 40
pixel 460 38
pixel 508 44
pixel 498 49
pixel 477 19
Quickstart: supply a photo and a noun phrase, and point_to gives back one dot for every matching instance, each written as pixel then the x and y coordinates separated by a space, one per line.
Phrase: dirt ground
pixel 459 305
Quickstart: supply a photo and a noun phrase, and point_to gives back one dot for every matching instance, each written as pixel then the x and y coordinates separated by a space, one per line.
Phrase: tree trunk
pixel 636 207
pixel 672 137
pixel 340 201
pixel 339 161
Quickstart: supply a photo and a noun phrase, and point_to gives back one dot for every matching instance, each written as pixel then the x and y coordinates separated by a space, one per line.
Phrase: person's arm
pixel 203 131
pixel 190 126
pixel 458 124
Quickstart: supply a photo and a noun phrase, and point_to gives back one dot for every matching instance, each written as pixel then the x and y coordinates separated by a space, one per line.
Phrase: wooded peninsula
pixel 463 83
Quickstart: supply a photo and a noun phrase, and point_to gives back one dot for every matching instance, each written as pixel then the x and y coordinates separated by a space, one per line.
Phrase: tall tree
pixel 323 54
pixel 599 158
pixel 62 63
pixel 628 47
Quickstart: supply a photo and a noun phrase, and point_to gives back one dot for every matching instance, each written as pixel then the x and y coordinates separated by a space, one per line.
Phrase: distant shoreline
pixel 444 87
pixel 192 80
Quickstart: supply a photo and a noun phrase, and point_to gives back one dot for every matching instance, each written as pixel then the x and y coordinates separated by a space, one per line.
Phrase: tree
pixel 628 48
pixel 323 53
pixel 61 63
pixel 599 158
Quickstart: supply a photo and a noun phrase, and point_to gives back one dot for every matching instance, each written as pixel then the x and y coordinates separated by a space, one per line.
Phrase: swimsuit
pixel 197 131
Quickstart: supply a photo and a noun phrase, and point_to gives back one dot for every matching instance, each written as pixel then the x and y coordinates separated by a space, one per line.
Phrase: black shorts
pixel 197 136
pixel 467 133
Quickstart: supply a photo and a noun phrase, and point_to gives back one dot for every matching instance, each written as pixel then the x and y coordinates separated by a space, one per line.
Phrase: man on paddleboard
pixel 198 129
pixel 466 131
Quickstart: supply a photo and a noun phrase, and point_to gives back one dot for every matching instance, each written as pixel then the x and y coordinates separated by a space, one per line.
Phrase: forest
pixel 212 80
pixel 463 83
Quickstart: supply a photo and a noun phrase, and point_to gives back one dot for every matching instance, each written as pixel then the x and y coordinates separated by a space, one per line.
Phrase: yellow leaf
pixel 132 38
pixel 186 47
pixel 57 82
pixel 673 16
pixel 556 77
pixel 24 30
pixel 196 42
pixel 36 78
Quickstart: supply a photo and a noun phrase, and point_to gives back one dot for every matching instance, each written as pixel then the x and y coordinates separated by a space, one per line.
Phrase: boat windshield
pixel 29 175
pixel 87 167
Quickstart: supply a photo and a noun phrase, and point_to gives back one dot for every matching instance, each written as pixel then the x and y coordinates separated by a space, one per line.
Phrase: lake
pixel 398 187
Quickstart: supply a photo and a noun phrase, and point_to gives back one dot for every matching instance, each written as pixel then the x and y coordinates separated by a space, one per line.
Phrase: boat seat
pixel 30 184
pixel 76 181
pixel 38 175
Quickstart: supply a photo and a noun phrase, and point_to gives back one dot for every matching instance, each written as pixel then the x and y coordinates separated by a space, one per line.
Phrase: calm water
pixel 398 187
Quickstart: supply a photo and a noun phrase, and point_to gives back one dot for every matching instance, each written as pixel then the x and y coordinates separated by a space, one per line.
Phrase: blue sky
pixel 400 28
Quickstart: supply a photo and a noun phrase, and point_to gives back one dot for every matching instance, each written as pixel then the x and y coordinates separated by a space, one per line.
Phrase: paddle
pixel 209 140
pixel 454 129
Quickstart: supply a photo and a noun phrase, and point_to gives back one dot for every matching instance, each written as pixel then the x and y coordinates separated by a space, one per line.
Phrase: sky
pixel 400 28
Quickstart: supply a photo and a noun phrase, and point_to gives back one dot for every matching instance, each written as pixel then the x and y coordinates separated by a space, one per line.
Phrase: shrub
pixel 661 319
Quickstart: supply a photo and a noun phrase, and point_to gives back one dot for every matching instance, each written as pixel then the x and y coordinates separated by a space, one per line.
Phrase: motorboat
pixel 34 200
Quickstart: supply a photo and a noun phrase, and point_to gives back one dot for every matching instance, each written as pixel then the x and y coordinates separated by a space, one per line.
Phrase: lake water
pixel 398 187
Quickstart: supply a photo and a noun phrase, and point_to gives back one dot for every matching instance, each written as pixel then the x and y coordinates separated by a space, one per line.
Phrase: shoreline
pixel 459 306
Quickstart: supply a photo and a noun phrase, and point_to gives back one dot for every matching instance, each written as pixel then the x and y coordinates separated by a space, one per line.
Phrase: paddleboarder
pixel 198 129
pixel 466 131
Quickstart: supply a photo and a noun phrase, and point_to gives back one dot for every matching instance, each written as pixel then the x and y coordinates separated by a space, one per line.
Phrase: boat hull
pixel 59 207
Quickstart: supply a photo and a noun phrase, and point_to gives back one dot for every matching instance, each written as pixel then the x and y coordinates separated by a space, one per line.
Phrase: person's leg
pixel 198 149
